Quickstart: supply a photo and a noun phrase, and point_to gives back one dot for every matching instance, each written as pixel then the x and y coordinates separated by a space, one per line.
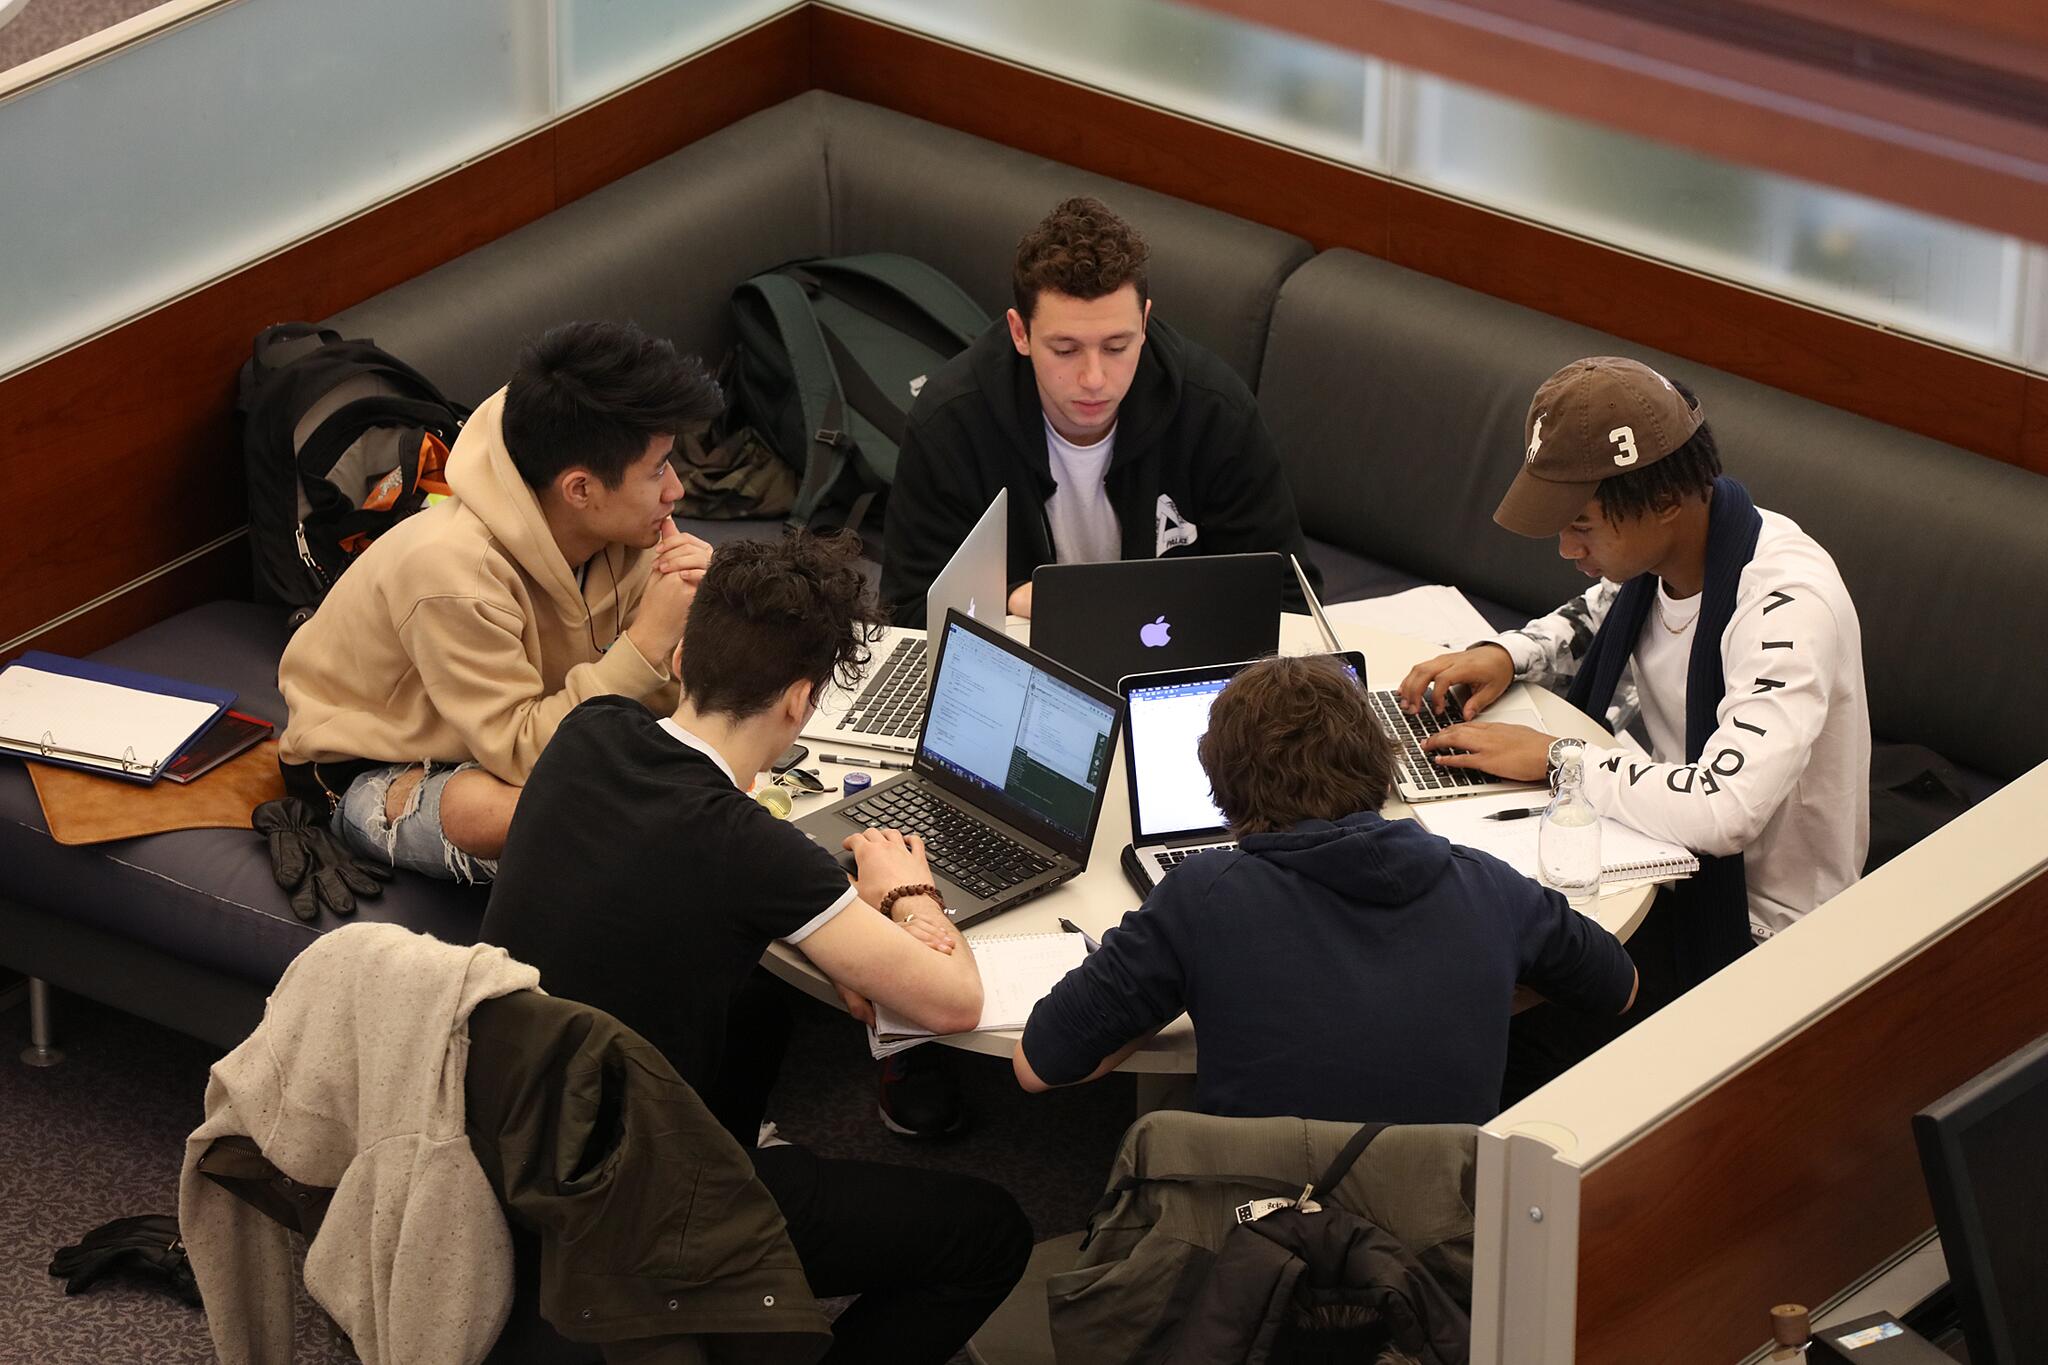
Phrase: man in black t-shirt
pixel 639 877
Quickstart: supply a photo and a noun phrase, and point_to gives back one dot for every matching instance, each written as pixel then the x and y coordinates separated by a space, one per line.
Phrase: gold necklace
pixel 1688 623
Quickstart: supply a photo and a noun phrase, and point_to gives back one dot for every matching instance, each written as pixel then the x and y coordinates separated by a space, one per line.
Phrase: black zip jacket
pixel 1188 429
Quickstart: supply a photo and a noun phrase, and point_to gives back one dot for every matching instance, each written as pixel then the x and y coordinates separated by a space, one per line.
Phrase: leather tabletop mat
pixel 84 808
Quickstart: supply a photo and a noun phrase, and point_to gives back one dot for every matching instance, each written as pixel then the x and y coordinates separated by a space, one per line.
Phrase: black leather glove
pixel 309 862
pixel 147 1247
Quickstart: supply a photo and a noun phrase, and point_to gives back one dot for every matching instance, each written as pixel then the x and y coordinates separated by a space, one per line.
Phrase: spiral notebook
pixel 1017 971
pixel 1626 855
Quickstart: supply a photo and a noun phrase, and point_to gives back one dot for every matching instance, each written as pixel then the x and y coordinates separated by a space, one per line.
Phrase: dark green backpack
pixel 831 354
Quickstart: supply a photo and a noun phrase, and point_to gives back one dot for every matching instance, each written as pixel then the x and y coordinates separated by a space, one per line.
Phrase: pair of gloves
pixel 147 1248
pixel 311 865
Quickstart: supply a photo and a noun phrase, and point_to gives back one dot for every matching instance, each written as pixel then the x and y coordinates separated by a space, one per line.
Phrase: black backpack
pixel 340 442
pixel 1302 1283
pixel 831 354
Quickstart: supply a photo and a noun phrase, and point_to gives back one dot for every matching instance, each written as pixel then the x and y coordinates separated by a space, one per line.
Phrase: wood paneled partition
pixel 1787 1181
pixel 1973 403
pixel 118 458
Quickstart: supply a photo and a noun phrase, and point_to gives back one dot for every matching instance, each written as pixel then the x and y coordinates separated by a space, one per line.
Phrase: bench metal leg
pixel 39 1051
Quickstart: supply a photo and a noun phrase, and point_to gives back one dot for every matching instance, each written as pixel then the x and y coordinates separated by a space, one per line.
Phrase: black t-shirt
pixel 637 878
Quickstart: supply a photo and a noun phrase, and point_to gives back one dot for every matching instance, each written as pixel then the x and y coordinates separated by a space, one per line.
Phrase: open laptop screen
pixel 1167 715
pixel 1028 743
pixel 1167 721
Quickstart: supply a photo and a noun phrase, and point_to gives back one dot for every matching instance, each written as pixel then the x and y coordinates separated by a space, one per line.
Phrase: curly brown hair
pixel 773 612
pixel 1082 250
pixel 1294 739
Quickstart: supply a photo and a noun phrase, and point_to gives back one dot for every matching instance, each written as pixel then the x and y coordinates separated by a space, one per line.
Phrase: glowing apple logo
pixel 970 609
pixel 1155 635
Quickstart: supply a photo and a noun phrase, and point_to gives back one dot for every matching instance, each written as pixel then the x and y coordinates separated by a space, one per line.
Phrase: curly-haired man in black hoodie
pixel 1117 437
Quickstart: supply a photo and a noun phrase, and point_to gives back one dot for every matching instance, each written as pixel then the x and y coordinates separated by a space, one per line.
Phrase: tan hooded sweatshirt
pixel 462 633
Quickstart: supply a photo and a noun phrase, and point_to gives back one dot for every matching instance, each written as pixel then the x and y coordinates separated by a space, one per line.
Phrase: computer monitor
pixel 1984 1151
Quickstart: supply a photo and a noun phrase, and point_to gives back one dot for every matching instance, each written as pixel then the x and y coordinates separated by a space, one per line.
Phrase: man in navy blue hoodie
pixel 1337 965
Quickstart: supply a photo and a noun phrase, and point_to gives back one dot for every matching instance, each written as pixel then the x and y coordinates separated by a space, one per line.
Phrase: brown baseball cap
pixel 1592 420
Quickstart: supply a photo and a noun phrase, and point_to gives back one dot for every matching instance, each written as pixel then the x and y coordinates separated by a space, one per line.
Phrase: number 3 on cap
pixel 1625 437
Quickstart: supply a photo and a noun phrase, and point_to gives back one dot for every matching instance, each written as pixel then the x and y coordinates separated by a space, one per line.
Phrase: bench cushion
pixel 816 175
pixel 1397 400
pixel 205 896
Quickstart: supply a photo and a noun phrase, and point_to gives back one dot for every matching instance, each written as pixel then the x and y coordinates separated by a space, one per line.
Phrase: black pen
pixel 884 763
pixel 1517 814
pixel 1074 928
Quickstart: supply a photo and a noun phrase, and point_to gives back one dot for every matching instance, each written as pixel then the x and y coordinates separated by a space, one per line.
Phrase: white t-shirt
pixel 1784 779
pixel 1661 658
pixel 1084 526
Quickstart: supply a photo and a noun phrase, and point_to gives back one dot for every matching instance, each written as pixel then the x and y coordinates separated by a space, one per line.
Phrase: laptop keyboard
pixel 1418 768
pixel 1170 858
pixel 975 855
pixel 892 704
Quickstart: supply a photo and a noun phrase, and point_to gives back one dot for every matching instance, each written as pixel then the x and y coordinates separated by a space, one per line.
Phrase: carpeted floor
pixel 42 26
pixel 100 1137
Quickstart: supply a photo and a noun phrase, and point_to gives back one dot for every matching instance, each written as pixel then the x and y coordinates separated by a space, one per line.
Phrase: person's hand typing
pixel 1512 751
pixel 886 859
pixel 1485 669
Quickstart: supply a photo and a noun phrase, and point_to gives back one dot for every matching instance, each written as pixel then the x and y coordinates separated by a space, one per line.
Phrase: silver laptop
pixel 1007 785
pixel 1173 814
pixel 887 710
pixel 1420 777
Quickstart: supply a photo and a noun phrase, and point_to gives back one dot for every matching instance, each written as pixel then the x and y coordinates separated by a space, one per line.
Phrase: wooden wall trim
pixel 121 454
pixel 1797 1174
pixel 1953 397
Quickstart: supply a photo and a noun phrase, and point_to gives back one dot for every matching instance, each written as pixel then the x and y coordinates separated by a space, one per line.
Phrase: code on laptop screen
pixel 1017 732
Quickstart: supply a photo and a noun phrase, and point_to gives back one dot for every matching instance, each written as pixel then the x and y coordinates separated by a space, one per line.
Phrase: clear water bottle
pixel 1568 841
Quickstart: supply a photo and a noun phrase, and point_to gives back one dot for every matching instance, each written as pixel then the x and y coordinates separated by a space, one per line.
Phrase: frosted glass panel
pixel 608 44
pixel 1263 82
pixel 1843 251
pixel 132 180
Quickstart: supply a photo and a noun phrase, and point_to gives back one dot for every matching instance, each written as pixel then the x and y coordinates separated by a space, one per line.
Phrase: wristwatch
pixel 1558 749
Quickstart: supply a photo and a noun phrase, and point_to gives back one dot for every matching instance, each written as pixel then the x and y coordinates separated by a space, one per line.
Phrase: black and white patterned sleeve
pixel 1548 651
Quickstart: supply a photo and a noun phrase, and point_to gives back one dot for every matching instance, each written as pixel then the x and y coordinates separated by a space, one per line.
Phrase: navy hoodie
pixel 1359 971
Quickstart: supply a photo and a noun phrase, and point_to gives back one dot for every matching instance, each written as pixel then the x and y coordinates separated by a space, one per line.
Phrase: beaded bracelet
pixel 920 889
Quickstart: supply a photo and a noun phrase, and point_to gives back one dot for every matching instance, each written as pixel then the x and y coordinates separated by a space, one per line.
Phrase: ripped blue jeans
pixel 414 840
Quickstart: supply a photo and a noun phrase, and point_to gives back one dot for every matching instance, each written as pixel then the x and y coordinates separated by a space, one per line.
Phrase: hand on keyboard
pixel 1485 669
pixel 1512 751
pixel 885 861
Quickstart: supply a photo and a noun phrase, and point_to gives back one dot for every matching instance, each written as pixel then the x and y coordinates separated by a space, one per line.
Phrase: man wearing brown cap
pixel 1725 629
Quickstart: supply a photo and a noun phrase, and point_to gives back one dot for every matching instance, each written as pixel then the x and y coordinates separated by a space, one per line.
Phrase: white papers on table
pixel 1436 613
pixel 95 723
pixel 1627 856
pixel 1017 971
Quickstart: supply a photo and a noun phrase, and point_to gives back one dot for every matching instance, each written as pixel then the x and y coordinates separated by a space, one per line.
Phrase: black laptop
pixel 1173 814
pixel 1145 615
pixel 1007 783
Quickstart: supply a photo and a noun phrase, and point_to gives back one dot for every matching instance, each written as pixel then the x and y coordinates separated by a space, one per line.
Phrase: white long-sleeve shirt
pixel 1785 777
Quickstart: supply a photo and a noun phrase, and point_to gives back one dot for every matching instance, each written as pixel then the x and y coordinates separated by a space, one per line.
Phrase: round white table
pixel 1100 896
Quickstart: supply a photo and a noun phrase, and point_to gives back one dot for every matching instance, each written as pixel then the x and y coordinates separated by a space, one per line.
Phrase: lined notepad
pixel 1626 855
pixel 1017 971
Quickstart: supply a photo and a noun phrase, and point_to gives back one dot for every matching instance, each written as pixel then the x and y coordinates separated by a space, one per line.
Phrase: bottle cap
pixel 1791 1324
pixel 853 784
pixel 776 799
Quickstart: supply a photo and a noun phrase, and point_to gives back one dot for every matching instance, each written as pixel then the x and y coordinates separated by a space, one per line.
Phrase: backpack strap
pixel 817 390
pixel 1344 1160
pixel 945 303
pixel 339 431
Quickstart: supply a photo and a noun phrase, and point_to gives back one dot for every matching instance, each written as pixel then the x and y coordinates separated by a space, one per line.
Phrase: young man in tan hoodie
pixel 435 672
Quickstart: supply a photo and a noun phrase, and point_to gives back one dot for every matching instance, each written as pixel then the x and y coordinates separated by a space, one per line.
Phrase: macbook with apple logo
pixel 1108 620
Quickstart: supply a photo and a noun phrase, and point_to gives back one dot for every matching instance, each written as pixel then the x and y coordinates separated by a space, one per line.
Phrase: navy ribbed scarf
pixel 1708 914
